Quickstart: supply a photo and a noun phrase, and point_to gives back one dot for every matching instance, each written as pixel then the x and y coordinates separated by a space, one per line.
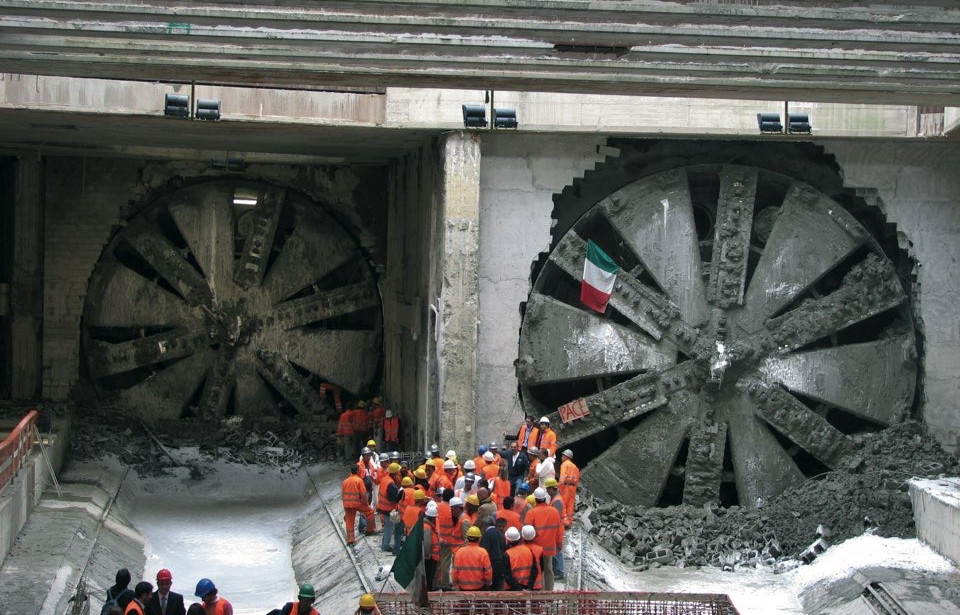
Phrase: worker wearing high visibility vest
pixel 391 431
pixel 354 496
pixel 523 568
pixel 569 479
pixel 529 535
pixel 544 438
pixel 554 499
pixel 546 521
pixel 471 565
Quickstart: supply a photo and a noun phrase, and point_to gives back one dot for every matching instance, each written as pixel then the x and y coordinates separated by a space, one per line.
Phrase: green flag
pixel 408 569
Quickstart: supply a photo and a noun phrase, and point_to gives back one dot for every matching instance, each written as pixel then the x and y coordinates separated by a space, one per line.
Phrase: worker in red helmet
pixel 164 601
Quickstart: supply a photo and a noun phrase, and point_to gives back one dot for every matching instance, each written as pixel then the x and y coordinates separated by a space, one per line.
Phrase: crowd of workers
pixel 493 522
pixel 143 600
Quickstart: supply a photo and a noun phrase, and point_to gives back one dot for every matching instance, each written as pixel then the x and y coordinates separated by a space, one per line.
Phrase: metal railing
pixel 15 448
pixel 560 603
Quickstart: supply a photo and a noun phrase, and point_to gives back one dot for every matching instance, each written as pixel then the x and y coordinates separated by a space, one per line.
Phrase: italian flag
pixel 599 275
pixel 408 569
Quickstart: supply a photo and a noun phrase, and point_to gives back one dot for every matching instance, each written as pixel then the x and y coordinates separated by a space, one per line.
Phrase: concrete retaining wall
pixel 21 495
pixel 936 510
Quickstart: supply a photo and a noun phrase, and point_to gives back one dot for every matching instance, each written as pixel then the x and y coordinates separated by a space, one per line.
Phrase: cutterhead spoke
pixel 109 359
pixel 166 394
pixel 573 344
pixel 731 243
pixel 327 304
pixel 257 247
pixel 336 356
pixel 208 230
pixel 156 307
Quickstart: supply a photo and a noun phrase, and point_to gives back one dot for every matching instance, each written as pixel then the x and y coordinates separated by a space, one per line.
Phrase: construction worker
pixel 523 569
pixel 345 433
pixel 545 468
pixel 412 514
pixel 487 509
pixel 491 469
pixel 212 603
pixel 546 521
pixel 389 495
pixel 523 434
pixel 447 532
pixel 446 479
pixel 471 565
pixel 533 454
pixel 368 606
pixel 469 517
pixel 374 454
pixel 361 424
pixel 544 438
pixel 142 592
pixel 495 449
pixel 569 479
pixel 164 601
pixel 479 461
pixel 367 470
pixel 529 535
pixel 303 604
pixel 379 413
pixel 431 545
pixel 508 513
pixel 520 504
pixel 354 496
pixel 556 501
pixel 391 430
pixel 496 546
pixel 458 534
pixel 500 487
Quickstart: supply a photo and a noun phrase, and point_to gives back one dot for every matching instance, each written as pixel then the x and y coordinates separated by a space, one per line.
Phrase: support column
pixel 26 292
pixel 457 355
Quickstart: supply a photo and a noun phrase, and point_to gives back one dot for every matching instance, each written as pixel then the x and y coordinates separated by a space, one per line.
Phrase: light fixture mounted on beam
pixel 798 123
pixel 769 122
pixel 207 109
pixel 176 105
pixel 504 117
pixel 474 115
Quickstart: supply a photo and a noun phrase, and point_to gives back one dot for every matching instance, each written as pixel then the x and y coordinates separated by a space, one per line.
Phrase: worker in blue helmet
pixel 212 603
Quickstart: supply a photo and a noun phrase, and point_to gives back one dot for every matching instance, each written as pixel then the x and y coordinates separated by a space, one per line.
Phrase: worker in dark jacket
pixel 496 546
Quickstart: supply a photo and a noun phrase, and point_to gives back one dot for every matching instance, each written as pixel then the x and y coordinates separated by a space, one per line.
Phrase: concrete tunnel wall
pixel 917 187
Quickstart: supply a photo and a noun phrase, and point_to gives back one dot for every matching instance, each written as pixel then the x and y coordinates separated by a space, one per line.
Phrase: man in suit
pixel 518 465
pixel 164 601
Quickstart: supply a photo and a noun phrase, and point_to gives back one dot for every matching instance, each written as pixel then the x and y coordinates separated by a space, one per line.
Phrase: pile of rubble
pixel 866 492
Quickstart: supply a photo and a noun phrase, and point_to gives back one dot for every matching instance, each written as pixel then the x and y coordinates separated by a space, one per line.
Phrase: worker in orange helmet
pixel 164 601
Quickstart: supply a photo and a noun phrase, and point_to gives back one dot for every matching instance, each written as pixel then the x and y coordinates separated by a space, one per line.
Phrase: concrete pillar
pixel 26 292
pixel 457 355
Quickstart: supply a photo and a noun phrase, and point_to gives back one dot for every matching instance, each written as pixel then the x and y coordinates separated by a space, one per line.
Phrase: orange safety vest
pixel 391 429
pixel 463 524
pixel 383 502
pixel 295 608
pixel 557 503
pixel 407 500
pixel 524 442
pixel 345 424
pixel 446 526
pixel 379 413
pixel 537 552
pixel 359 419
pixel 353 493
pixel 479 462
pixel 472 570
pixel 431 527
pixel 410 517
pixel 546 520
pixel 512 517
pixel 217 608
pixel 491 470
pixel 133 607
pixel 521 563
pixel 544 439
pixel 501 487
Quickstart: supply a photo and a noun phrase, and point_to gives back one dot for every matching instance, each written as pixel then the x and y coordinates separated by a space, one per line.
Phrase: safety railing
pixel 560 603
pixel 15 448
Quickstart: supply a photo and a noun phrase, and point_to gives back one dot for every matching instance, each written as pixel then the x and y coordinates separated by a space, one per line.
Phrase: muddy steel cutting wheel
pixel 230 297
pixel 754 325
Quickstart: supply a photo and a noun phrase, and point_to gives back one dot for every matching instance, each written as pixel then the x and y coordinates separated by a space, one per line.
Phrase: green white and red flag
pixel 599 276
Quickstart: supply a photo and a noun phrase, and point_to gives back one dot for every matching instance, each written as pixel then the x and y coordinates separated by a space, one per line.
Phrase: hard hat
pixel 494 446
pixel 434 448
pixel 393 468
pixel 371 442
pixel 544 419
pixel 406 482
pixel 431 510
pixel 470 476
pixel 524 487
pixel 512 534
pixel 419 495
pixel 550 482
pixel 384 459
pixel 488 456
pixel 469 465
pixel 451 454
pixel 367 601
pixel 389 414
pixel 528 532
pixel 306 591
pixel 568 453
pixel 377 400
pixel 164 575
pixel 362 402
pixel 455 501
pixel 449 465
pixel 474 532
pixel 533 450
pixel 420 473
pixel 204 587
pixel 483 449
pixel 394 455
pixel 531 500
pixel 540 494
pixel 366 451
pixel 427 456
pixel 473 499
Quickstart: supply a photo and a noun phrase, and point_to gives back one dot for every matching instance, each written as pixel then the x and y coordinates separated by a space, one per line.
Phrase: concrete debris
pixel 864 494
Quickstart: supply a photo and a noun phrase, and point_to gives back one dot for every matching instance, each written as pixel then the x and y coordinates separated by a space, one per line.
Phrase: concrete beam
pixel 27 283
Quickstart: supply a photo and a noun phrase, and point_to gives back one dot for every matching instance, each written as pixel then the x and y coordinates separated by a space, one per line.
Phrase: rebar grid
pixel 560 603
